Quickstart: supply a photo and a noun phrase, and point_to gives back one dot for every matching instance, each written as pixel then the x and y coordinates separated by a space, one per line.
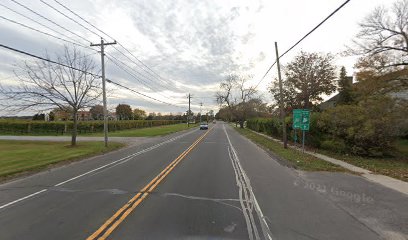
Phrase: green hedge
pixel 344 129
pixel 273 127
pixel 60 128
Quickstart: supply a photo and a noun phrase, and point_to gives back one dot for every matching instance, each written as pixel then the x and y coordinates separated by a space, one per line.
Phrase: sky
pixel 181 46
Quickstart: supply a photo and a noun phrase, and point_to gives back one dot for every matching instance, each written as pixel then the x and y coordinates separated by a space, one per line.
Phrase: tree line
pixel 370 110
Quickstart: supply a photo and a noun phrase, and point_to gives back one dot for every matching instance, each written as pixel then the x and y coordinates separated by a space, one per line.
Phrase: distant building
pixel 332 102
pixel 60 115
pixel 112 116
pixel 84 116
pixel 399 95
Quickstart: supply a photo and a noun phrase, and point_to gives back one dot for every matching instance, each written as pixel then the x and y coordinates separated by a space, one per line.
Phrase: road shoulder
pixel 380 209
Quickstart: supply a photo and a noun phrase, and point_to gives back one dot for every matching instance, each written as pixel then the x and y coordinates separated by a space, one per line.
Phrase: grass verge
pixel 148 132
pixel 396 167
pixel 296 158
pixel 17 157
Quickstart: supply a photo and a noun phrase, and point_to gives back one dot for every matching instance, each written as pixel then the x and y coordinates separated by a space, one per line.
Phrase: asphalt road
pixel 211 184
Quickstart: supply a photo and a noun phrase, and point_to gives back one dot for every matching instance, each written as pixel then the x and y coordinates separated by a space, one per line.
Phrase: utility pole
pixel 105 111
pixel 201 105
pixel 189 110
pixel 281 105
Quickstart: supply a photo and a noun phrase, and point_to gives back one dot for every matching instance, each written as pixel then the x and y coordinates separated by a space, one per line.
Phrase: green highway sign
pixel 301 119
pixel 305 122
pixel 297 118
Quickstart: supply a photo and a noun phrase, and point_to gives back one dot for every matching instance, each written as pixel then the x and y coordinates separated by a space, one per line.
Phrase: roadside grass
pixel 402 147
pixel 147 132
pixel 396 167
pixel 18 157
pixel 296 158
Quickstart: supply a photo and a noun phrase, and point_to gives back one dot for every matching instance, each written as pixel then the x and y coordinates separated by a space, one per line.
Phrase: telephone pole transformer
pixel 105 111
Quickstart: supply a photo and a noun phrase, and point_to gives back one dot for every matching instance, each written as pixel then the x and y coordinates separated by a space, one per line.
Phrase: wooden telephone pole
pixel 281 105
pixel 105 111
pixel 189 110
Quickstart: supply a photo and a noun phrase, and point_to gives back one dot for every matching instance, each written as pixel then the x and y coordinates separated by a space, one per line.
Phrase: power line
pixel 137 78
pixel 47 60
pixel 21 74
pixel 305 36
pixel 49 20
pixel 69 17
pixel 45 33
pixel 150 72
pixel 142 94
pixel 62 5
pixel 83 71
pixel 131 74
pixel 33 20
pixel 133 70
pixel 75 43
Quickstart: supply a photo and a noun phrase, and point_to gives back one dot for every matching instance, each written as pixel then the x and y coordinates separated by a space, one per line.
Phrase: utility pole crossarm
pixel 104 44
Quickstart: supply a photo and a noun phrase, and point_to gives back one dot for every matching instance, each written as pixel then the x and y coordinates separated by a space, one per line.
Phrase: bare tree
pixel 224 95
pixel 385 31
pixel 45 85
pixel 245 93
pixel 235 94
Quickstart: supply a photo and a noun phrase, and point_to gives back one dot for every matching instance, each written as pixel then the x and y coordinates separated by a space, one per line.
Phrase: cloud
pixel 192 45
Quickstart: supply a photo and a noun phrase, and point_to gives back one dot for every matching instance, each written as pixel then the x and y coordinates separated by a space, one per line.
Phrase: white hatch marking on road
pixel 217 200
pixel 117 162
pixel 244 208
pixel 240 173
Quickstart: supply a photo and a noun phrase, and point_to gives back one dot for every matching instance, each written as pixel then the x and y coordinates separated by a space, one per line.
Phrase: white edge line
pixel 253 195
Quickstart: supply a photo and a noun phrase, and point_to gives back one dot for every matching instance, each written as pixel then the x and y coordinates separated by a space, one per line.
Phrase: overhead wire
pixel 56 37
pixel 21 74
pixel 47 60
pixel 68 9
pixel 53 36
pixel 50 6
pixel 149 73
pixel 125 70
pixel 49 20
pixel 33 20
pixel 144 67
pixel 141 80
pixel 162 82
pixel 303 38
pixel 83 71
pixel 65 7
pixel 45 33
pixel 141 73
pixel 130 89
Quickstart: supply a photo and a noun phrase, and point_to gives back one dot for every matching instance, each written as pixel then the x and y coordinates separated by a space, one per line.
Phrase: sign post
pixel 301 120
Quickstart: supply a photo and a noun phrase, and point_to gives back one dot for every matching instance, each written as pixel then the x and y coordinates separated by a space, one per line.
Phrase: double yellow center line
pixel 113 222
